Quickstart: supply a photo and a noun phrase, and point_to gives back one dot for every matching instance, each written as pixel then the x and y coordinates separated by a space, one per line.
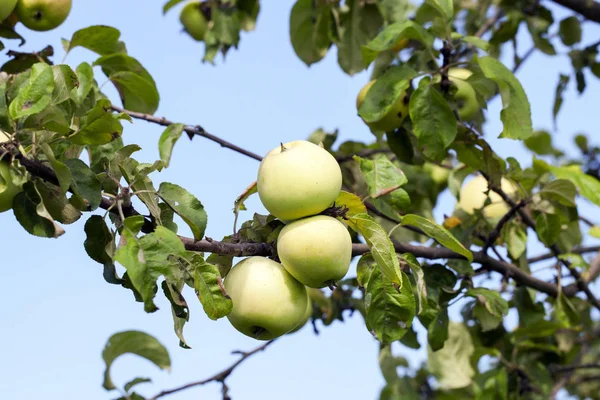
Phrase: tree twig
pixel 191 131
pixel 579 250
pixel 504 220
pixel 219 377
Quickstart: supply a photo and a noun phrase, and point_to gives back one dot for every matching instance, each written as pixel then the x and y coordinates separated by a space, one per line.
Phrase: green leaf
pixel 85 183
pixel 36 94
pixel 444 7
pixel 561 86
pixel 137 93
pixel 56 203
pixel 588 186
pixel 133 342
pixel 99 39
pixel 32 215
pixel 147 258
pixel 238 204
pixel 136 175
pixel 548 228
pixel 380 245
pixel 515 238
pixel 133 82
pixel 433 120
pixel 209 288
pixel 389 309
pixel 594 231
pixel 358 26
pixel 437 232
pixel 85 77
pixel 476 41
pixel 516 111
pixel 570 31
pixel 226 26
pixel 380 97
pixel 419 277
pixel 65 80
pixel 393 34
pixel 540 143
pixel 98 126
pixel 451 365
pixel 167 141
pixel 309 30
pixel 179 307
pixel 437 331
pixel 381 175
pixel 135 382
pixel 492 302
pixel 99 243
pixel 560 190
pixel 188 207
pixel 62 172
pixel 170 4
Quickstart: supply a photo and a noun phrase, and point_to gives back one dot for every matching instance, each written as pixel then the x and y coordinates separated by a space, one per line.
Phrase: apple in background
pixel 473 197
pixel 315 250
pixel 193 20
pixel 267 301
pixel 465 96
pixel 298 179
pixel 438 174
pixel 6 8
pixel 394 117
pixel 43 15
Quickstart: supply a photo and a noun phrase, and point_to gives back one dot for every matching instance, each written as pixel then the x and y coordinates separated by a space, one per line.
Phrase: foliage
pixel 66 154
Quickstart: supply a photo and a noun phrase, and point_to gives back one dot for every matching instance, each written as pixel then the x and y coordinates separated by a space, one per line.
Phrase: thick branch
pixel 219 377
pixel 588 8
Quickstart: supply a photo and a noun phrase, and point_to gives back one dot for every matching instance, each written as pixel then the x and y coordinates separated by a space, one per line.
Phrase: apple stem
pixel 283 148
pixel 332 285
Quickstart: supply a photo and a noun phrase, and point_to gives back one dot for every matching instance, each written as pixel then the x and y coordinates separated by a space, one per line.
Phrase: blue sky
pixel 57 312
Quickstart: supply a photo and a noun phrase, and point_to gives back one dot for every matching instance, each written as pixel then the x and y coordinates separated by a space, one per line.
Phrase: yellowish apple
pixel 193 20
pixel 393 119
pixel 298 179
pixel 267 301
pixel 6 8
pixel 473 197
pixel 43 15
pixel 315 250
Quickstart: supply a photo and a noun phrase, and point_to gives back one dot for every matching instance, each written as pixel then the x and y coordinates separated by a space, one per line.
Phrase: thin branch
pixel 588 8
pixel 579 250
pixel 191 131
pixel 219 377
pixel 567 368
pixel 504 220
pixel 490 22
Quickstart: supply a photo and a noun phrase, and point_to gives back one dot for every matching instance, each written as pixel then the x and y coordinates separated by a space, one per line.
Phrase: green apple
pixel 315 250
pixel 267 301
pixel 6 8
pixel 8 190
pixel 306 317
pixel 438 174
pixel 298 179
pixel 193 20
pixel 473 197
pixel 43 15
pixel 393 118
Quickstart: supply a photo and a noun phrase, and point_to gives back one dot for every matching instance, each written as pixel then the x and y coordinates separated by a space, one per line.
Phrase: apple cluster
pixel 296 182
pixel 37 15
